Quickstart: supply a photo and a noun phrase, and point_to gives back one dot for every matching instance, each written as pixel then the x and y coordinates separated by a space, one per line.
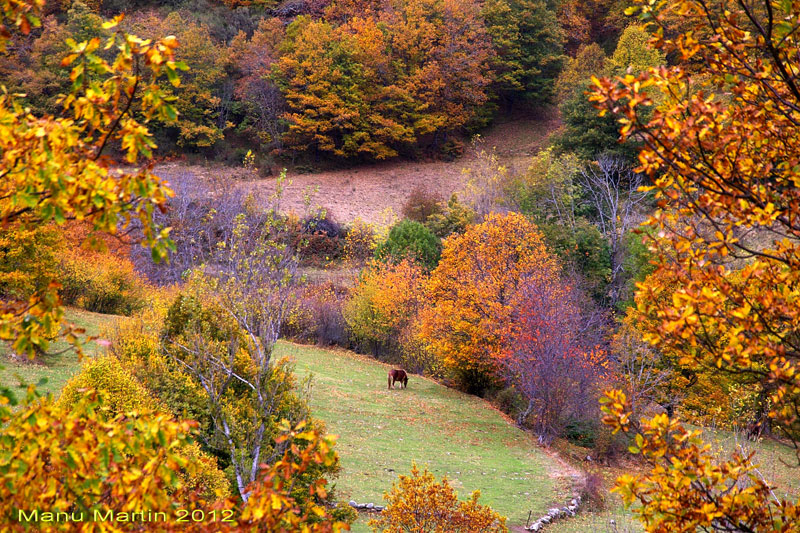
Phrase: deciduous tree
pixel 721 149
pixel 55 169
pixel 554 357
pixel 471 295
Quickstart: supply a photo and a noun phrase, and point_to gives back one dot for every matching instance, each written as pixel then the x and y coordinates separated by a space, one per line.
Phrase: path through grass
pixel 381 432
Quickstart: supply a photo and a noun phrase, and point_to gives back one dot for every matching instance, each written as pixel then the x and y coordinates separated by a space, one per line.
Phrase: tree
pixel 383 79
pixel 590 60
pixel 419 503
pixel 553 359
pixel 249 282
pixel 254 59
pixel 410 240
pixel 56 169
pixel 634 52
pixel 198 98
pixel 471 294
pixel 586 133
pixel 613 192
pixel 722 154
pixel 384 303
pixel 529 44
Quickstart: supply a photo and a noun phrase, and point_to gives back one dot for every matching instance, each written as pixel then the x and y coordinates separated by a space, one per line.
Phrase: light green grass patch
pixel 58 367
pixel 381 432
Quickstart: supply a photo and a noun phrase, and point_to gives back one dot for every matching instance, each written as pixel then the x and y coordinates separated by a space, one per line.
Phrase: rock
pixel 370 505
pixel 353 503
pixel 545 520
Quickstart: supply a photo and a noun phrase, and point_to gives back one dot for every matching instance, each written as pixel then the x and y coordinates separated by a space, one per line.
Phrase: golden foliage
pixel 720 146
pixel 419 503
pixel 471 294
pixel 55 169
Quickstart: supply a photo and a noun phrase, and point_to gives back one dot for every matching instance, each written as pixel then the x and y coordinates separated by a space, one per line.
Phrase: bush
pixel 360 242
pixel 410 240
pixel 122 394
pixel 455 218
pixel 509 401
pixel 316 316
pixel 419 503
pixel 100 282
pixel 320 241
pixel 421 204
pixel 107 375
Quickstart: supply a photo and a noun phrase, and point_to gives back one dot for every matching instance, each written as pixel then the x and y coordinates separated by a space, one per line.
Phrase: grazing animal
pixel 398 376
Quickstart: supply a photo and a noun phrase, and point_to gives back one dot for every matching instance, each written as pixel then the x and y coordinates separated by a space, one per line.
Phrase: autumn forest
pixel 566 231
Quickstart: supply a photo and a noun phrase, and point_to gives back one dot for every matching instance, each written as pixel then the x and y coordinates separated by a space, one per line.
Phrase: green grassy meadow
pixel 381 432
pixel 58 366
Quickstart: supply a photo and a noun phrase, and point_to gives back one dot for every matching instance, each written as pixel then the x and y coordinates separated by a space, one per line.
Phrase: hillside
pixel 381 432
pixel 62 364
pixel 375 192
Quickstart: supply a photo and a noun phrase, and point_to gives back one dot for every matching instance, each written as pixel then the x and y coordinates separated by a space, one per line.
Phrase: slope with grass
pixel 381 432
pixel 57 366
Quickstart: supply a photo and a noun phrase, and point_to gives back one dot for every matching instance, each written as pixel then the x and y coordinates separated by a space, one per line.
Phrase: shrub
pixel 409 239
pixel 316 315
pixel 421 204
pixel 320 241
pixel 455 218
pixel 419 503
pixel 360 242
pixel 383 305
pixel 100 282
pixel 593 493
pixel 509 401
pixel 107 375
pixel 122 393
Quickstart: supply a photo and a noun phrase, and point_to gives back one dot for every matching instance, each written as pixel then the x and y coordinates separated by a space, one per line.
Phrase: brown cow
pixel 399 376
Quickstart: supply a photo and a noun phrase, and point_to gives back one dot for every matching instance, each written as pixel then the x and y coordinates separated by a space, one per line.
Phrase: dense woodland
pixel 637 280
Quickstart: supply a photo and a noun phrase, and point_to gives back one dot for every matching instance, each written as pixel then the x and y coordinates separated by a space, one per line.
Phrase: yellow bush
pixel 419 503
pixel 100 282
pixel 106 375
pixel 122 393
pixel 360 242
pixel 207 477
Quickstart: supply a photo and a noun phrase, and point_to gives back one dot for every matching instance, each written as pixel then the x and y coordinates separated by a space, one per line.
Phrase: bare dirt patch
pixel 376 192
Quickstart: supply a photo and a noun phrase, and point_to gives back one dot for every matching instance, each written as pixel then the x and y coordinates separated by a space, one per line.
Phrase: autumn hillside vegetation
pixel 628 285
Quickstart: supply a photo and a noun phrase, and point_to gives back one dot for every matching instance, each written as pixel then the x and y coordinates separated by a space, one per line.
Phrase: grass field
pixel 381 432
pixel 58 367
